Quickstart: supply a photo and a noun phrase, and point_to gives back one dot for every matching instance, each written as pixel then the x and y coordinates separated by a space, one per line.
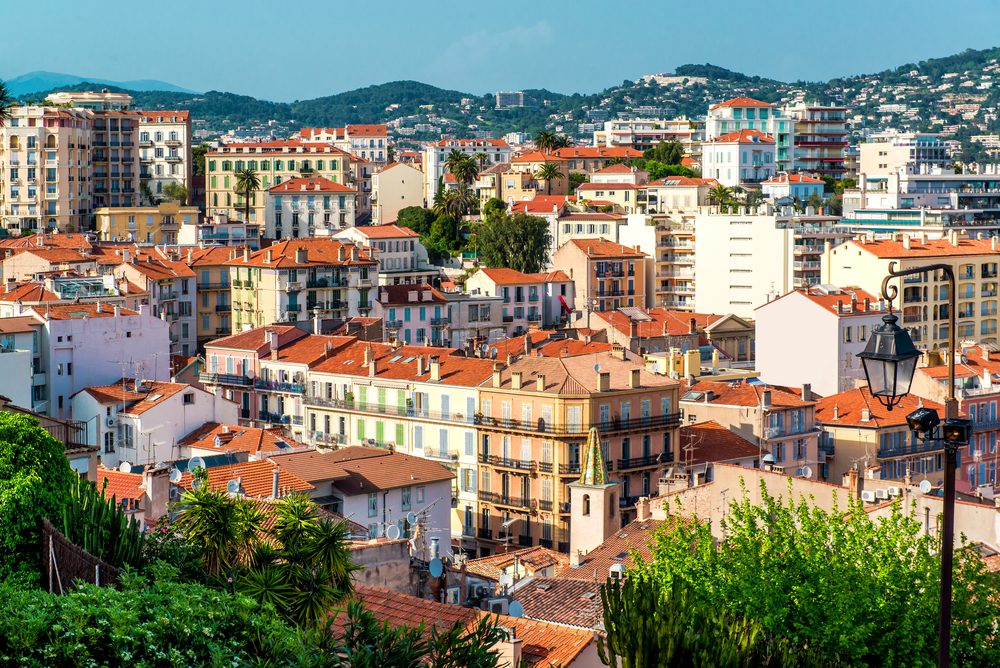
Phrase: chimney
pixel 807 392
pixel 692 326
pixel 118 311
pixel 642 508
pixel 634 380
pixel 354 253
pixel 435 370
pixel 497 374
pixel 246 253
pixel 836 411
pixel 274 483
pixel 840 306
pixel 854 301
pixel 156 491
pixel 272 343
pixel 527 345
pixel 341 255
pixel 301 255
pixel 868 304
pixel 316 323
pixel 372 367
pixel 994 243
pixel 866 414
pixel 574 558
pixel 906 242
pixel 853 483
pixel 515 380
pixel 633 329
pixel 98 307
pixel 603 381
pixel 540 382
pixel 765 398
pixel 267 256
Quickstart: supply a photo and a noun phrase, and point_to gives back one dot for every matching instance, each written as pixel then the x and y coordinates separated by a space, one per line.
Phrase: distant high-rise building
pixel 509 100
pixel 820 138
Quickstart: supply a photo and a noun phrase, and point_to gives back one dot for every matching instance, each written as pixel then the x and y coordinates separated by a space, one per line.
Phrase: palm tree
pixel 754 198
pixel 6 104
pixel 720 195
pixel 454 158
pixel 219 527
pixel 548 172
pixel 483 160
pixel 458 201
pixel 545 140
pixel 561 141
pixel 247 183
pixel 465 171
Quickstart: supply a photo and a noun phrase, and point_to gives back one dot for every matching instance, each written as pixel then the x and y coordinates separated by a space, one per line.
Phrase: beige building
pixel 395 187
pixel 607 275
pixel 887 153
pixel 274 162
pixel 114 157
pixel 923 299
pixel 165 150
pixel 95 100
pixel 156 225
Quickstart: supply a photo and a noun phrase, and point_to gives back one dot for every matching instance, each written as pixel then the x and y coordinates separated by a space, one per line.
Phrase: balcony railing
pixel 485 533
pixel 613 425
pixel 505 500
pixel 275 386
pixel 506 462
pixel 627 501
pixel 274 418
pixel 444 455
pixel 225 379
pixel 646 460
pixel 221 308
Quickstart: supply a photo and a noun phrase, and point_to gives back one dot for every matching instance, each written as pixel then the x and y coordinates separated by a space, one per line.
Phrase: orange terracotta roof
pixel 310 349
pixel 311 184
pixel 515 346
pixel 454 369
pixel 49 240
pixel 370 130
pixel 164 116
pixel 607 152
pixel 575 375
pixel 532 558
pixel 537 156
pixel 845 409
pixel 664 322
pixel 152 393
pixel 73 311
pixel 400 294
pixel 120 485
pixel 890 248
pixel 390 231
pixel 839 302
pixel 320 252
pixel 688 161
pixel 744 394
pixel 470 142
pixel 29 292
pixel 543 204
pixel 259 339
pixel 361 470
pixel 793 178
pixel 608 186
pixel 270 147
pixel 603 248
pixel 159 270
pixel 741 102
pixel 619 168
pixel 59 254
pixel 709 442
pixel 310 133
pixel 682 181
pixel 572 348
pixel 542 644
pixel 637 535
pixel 19 324
pixel 256 478
pixel 234 438
pixel 745 137
pixel 503 276
pixel 562 601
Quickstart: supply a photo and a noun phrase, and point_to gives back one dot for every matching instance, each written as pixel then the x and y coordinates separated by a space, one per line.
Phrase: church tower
pixel 593 501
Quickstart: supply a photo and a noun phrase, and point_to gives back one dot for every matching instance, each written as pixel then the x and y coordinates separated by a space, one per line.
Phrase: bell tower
pixel 593 501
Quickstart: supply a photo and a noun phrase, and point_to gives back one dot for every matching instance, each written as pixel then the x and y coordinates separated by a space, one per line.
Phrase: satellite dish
pixel 515 609
pixel 506 580
pixel 125 467
pixel 175 475
pixel 925 486
pixel 233 486
pixel 767 459
pixel 195 463
pixel 436 567
pixel 411 517
pixel 597 367
pixel 807 472
pixel 392 532
pixel 197 483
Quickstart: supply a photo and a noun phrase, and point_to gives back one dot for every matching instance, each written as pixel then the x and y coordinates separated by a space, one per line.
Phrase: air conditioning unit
pixel 175 493
pixel 895 491
pixel 881 493
pixel 371 442
pixel 110 421
pixel 498 606
pixel 454 595
pixel 868 496
pixel 482 591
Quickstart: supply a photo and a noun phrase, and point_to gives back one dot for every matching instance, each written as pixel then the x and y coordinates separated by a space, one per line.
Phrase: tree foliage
pixel 247 183
pixel 198 158
pixel 176 192
pixel 857 590
pixel 6 103
pixel 95 522
pixel 517 241
pixel 35 480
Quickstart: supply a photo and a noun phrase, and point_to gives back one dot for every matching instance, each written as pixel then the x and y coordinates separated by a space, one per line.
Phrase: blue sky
pixel 301 49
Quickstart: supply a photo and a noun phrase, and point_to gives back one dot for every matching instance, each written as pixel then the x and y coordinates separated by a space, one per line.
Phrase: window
pixel 420 494
pixel 188 398
pixel 405 502
pixel 372 504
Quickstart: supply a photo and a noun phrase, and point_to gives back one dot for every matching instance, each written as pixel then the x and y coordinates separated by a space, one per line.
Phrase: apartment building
pixel 792 187
pixel 436 155
pixel 529 300
pixel 30 264
pixel 745 113
pixel 589 159
pixel 536 414
pixel 54 289
pixel 673 280
pixel 840 322
pixel 170 283
pixel 657 330
pixel 575 224
pixel 275 162
pixel 214 301
pixel 890 152
pixel 745 259
pixel 643 134
pixel 820 138
pixel 520 181
pixel 220 230
pixel 421 314
pixel 780 422
pixel 308 207
pixel 368 142
pixel 395 187
pixel 102 100
pixel 606 275
pixel 291 280
pixel 157 225
pixel 45 169
pixel 923 298
pixel 114 157
pixel 735 158
pixel 165 150
pixel 402 259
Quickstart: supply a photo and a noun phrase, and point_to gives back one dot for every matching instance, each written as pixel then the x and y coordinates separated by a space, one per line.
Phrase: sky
pixel 300 49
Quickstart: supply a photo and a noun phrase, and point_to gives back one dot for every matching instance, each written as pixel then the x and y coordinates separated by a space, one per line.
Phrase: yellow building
pixel 297 279
pixel 923 299
pixel 274 162
pixel 144 224
pixel 214 307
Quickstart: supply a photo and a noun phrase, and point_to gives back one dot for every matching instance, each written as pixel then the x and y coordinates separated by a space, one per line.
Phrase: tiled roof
pixel 310 133
pixel 844 409
pixel 542 204
pixel 607 152
pixel 572 348
pixel 310 349
pixel 235 438
pixel 310 184
pixel 401 364
pixel 637 535
pixel 152 393
pixel 389 231
pixel 56 255
pixel 503 276
pixel 604 248
pixel 320 252
pixel 400 294
pixel 29 292
pixel 664 322
pixel 359 470
pixel 533 559
pixel 576 375
pixel 592 215
pixel 745 394
pixel 969 361
pixel 537 156
pixel 370 130
pixel 839 302
pixel 18 324
pixel 271 147
pixel 562 601
pixel 584 187
pixel 73 311
pixel 683 181
pixel 741 102
pixel 619 168
pixel 259 339
pixel 164 116
pixel 793 178
pixel 542 644
pixel 470 142
pixel 708 442
pixel 890 248
pixel 256 478
pixel 49 240
pixel 745 137
pixel 158 269
pixel 515 346
pixel 120 485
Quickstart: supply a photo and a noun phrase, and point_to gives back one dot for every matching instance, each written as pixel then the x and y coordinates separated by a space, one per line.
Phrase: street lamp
pixel 889 360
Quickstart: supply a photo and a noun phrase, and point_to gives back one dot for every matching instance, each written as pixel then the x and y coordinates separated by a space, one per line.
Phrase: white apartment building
pixel 165 150
pixel 887 153
pixel 735 158
pixel 368 142
pixel 646 133
pixel 529 300
pixel 745 113
pixel 170 284
pixel 820 138
pixel 395 187
pixel 420 314
pixel 308 207
pixel 402 259
pixel 840 320
pixel 436 154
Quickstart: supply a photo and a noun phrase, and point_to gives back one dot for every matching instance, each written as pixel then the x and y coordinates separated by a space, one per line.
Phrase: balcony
pixel 484 533
pixel 173 142
pixel 216 286
pixel 225 379
pixel 507 463
pixel 222 308
pixel 276 386
pixel 627 501
pixel 145 143
pixel 545 505
pixel 442 455
pixel 612 426
pixel 646 460
pixel 293 308
pixel 323 438
pixel 274 418
pixel 505 500
pixel 572 468
pixel 394 324
pixel 174 158
pixel 439 322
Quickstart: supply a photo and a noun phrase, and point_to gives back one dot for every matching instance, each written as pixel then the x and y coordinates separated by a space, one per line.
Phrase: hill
pixel 35 82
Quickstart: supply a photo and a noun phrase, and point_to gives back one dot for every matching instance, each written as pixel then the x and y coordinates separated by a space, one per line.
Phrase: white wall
pixel 390 511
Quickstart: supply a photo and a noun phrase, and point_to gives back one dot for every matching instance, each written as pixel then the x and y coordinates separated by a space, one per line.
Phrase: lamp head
pixel 889 360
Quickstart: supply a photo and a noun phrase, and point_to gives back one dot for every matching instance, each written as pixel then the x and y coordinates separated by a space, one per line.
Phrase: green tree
pixel 97 524
pixel 815 201
pixel 720 195
pixel 247 183
pixel 35 480
pixel 455 158
pixel 545 141
pixel 6 104
pixel 176 192
pixel 466 171
pixel 577 178
pixel 219 527
pixel 494 208
pixel 668 153
pixel 198 159
pixel 517 241
pixel 458 202
pixel 549 172
pixel 147 194
pixel 416 218
pixel 855 589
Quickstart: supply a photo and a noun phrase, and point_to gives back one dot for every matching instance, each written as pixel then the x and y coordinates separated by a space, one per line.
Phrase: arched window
pixel 586 504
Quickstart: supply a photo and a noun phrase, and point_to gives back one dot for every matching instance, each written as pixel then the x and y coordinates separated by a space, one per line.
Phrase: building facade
pixel 308 207
pixel 165 151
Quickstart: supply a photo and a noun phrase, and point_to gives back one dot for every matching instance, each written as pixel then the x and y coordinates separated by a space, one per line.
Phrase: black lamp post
pixel 889 360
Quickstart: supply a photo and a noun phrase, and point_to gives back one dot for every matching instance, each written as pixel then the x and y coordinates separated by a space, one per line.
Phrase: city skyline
pixel 564 47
